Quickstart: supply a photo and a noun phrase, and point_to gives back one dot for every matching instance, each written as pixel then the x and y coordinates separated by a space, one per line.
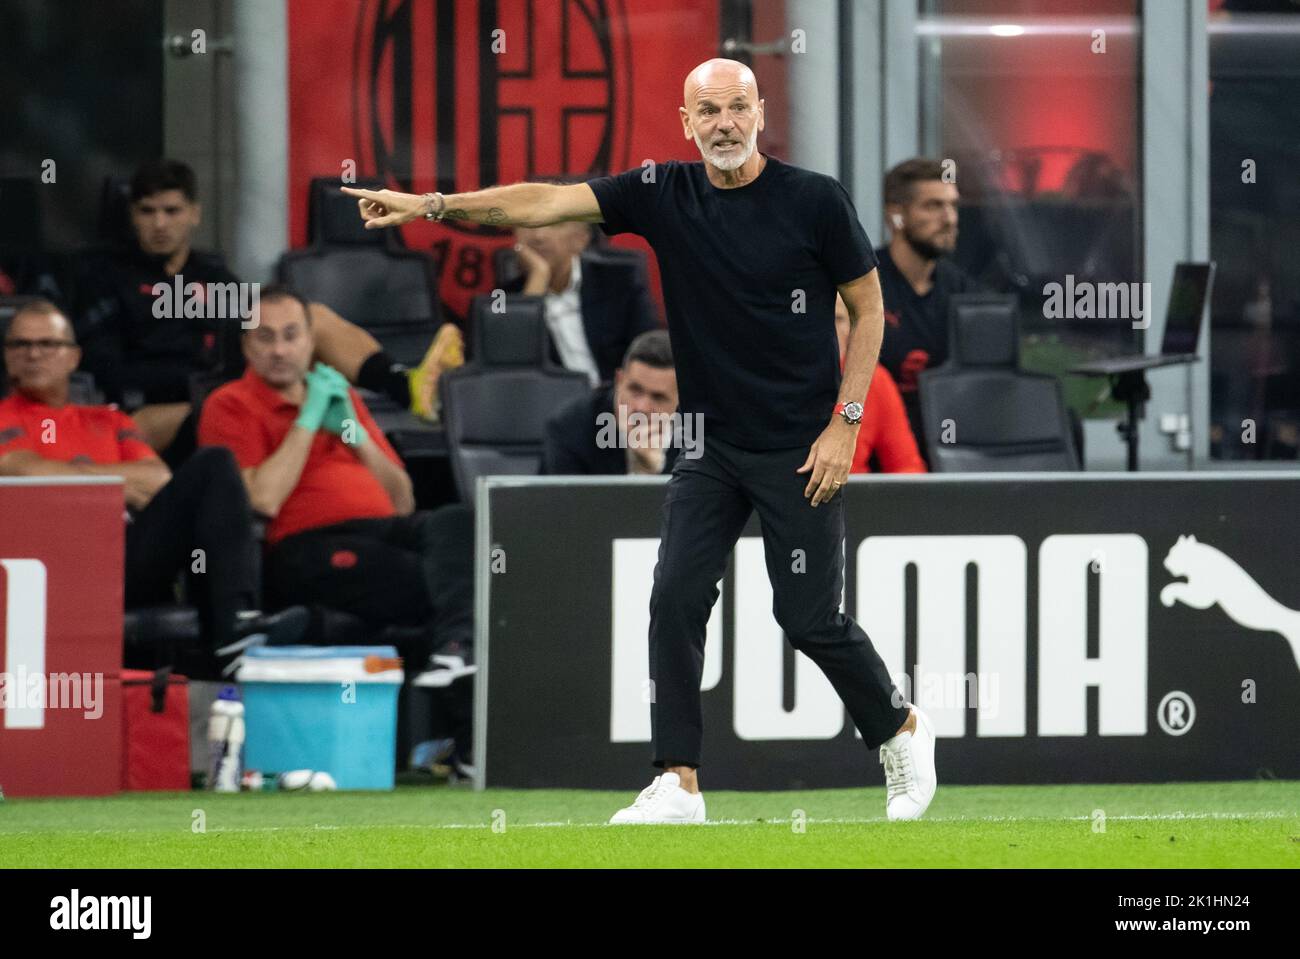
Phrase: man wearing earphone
pixel 916 277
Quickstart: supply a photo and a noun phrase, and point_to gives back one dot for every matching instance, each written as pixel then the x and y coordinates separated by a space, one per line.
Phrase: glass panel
pixel 1254 230
pixel 1038 102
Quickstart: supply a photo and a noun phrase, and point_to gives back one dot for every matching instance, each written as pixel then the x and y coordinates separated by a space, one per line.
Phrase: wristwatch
pixel 852 412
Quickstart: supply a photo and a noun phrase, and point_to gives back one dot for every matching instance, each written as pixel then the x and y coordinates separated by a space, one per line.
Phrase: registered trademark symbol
pixel 1176 713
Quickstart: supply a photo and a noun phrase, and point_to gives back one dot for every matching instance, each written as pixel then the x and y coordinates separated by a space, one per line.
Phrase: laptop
pixel 1188 297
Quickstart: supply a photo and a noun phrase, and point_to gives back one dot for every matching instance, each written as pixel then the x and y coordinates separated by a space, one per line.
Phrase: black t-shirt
pixel 135 356
pixel 749 277
pixel 916 327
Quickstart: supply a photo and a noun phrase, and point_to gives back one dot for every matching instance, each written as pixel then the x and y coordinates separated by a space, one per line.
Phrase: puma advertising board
pixel 1119 628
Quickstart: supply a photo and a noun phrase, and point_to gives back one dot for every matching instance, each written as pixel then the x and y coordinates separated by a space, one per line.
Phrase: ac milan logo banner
pixel 458 95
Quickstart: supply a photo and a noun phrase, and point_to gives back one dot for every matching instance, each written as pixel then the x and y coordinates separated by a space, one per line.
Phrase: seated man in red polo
pixel 170 517
pixel 885 432
pixel 343 533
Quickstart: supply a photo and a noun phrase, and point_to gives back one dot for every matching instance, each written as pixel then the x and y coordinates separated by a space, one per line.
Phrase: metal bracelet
pixel 429 212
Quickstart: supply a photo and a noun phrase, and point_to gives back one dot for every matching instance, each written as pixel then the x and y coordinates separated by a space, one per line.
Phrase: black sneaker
pixel 283 628
pixel 255 628
pixel 447 665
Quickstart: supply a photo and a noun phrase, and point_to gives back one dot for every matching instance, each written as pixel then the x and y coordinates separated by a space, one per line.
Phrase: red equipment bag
pixel 156 730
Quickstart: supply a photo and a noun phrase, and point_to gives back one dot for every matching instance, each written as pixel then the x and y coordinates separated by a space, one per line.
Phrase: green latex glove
pixel 342 416
pixel 320 393
pixel 333 377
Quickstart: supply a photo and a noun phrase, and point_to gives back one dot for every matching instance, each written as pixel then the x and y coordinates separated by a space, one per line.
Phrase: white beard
pixel 733 161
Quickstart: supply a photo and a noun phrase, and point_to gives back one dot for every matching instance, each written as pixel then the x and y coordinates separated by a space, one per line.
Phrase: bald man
pixel 752 252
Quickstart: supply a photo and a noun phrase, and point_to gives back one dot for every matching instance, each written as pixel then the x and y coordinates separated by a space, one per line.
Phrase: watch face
pixel 853 412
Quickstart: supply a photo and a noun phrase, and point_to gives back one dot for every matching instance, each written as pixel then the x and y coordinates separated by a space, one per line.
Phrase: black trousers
pixel 415 570
pixel 708 502
pixel 204 507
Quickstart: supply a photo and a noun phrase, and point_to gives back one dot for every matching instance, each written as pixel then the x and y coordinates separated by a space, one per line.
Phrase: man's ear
pixel 686 123
pixel 762 115
pixel 198 213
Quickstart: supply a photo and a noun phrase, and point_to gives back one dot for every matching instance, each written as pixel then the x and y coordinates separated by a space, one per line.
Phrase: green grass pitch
pixel 1239 824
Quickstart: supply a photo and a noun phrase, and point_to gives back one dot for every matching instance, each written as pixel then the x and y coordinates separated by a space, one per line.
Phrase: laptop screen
pixel 1187 298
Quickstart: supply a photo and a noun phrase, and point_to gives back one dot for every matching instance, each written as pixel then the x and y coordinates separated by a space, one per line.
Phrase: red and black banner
pixel 458 95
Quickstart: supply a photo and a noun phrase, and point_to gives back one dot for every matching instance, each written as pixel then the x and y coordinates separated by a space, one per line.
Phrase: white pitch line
pixel 1154 817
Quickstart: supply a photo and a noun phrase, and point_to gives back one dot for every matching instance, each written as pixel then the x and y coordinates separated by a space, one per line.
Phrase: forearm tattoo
pixel 492 216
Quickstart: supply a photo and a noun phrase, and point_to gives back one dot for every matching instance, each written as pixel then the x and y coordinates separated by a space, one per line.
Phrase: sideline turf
pixel 1198 825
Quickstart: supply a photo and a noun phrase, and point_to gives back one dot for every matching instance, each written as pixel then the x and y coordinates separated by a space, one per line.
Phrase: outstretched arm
pixel 520 204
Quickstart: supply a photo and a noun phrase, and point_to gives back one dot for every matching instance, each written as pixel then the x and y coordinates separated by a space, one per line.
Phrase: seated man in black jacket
pixel 597 302
pixel 143 347
pixel 623 427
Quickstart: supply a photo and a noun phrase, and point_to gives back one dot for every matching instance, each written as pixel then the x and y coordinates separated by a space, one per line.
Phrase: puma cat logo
pixel 1214 577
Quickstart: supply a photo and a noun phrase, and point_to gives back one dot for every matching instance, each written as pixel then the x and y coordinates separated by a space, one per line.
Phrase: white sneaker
pixel 910 780
pixel 663 801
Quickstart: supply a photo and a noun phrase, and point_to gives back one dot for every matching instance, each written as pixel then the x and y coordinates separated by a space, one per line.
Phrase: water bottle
pixel 226 741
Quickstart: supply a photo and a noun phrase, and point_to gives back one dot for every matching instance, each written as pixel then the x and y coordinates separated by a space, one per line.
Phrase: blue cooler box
pixel 324 708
